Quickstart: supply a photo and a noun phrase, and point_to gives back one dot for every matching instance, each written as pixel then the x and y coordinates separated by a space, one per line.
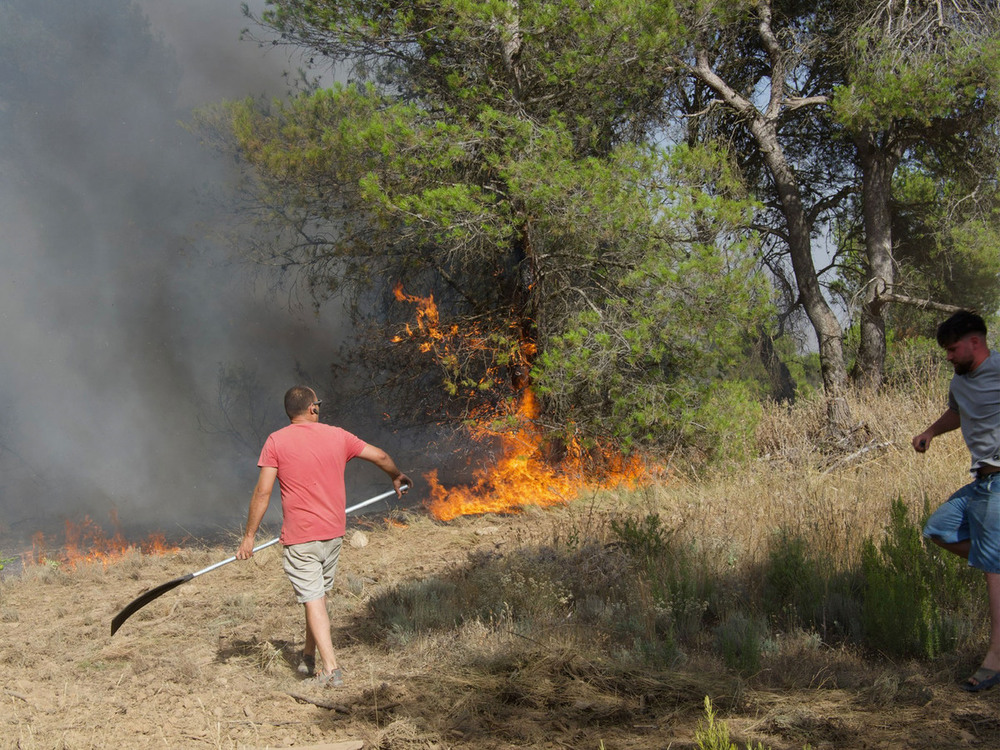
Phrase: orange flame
pixel 522 476
pixel 86 542
pixel 428 320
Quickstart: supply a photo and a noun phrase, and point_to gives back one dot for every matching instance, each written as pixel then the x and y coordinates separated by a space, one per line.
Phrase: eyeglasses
pixel 317 403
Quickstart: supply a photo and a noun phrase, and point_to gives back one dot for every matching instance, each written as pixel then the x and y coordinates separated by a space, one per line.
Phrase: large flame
pixel 522 475
pixel 87 542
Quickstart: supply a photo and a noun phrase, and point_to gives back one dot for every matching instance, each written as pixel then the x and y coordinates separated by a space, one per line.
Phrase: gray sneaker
pixel 326 679
pixel 307 664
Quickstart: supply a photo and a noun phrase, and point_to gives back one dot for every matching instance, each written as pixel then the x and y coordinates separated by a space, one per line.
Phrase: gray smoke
pixel 120 306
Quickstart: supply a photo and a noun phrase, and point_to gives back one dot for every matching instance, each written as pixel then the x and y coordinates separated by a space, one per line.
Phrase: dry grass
pixel 832 497
pixel 526 655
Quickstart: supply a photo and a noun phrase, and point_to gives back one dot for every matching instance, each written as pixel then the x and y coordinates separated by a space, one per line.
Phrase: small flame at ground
pixel 522 476
pixel 86 542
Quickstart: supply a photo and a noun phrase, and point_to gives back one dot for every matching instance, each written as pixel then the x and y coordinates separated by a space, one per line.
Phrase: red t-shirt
pixel 310 459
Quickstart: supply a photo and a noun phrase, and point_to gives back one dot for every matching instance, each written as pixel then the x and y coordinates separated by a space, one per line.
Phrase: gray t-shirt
pixel 976 398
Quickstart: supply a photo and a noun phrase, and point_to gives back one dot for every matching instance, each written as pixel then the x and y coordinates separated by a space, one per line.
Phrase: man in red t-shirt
pixel 308 460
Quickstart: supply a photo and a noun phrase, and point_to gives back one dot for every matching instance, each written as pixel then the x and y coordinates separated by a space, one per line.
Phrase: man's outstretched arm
pixel 382 460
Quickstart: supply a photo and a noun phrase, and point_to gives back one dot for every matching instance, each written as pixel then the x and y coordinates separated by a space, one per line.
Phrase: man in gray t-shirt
pixel 968 524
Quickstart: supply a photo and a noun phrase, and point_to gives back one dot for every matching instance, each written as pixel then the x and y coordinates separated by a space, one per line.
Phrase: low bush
pixel 917 601
pixel 740 640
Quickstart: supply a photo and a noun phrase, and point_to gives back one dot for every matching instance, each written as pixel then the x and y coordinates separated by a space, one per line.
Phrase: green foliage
pixel 920 88
pixel 642 539
pixel 669 572
pixel 542 57
pixel 514 162
pixel 914 598
pixel 638 365
pixel 946 242
pixel 740 639
pixel 801 591
pixel 887 84
pixel 485 158
pixel 917 360
pixel 713 733
pixel 794 583
pixel 723 425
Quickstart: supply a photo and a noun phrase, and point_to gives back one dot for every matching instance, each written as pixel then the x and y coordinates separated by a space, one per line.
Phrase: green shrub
pixel 803 591
pixel 724 424
pixel 916 360
pixel 643 540
pixel 793 583
pixel 841 616
pixel 917 601
pixel 713 734
pixel 669 571
pixel 740 640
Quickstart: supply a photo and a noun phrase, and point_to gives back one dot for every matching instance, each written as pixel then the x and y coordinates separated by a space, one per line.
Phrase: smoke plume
pixel 140 365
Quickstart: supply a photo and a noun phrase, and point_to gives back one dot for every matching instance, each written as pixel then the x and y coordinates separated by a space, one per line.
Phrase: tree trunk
pixel 783 385
pixel 876 171
pixel 763 124
pixel 829 332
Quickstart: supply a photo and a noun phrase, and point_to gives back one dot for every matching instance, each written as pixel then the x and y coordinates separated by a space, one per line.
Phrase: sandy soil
pixel 212 664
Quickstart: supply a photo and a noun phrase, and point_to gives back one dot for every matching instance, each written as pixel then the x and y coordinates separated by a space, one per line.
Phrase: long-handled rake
pixel 163 588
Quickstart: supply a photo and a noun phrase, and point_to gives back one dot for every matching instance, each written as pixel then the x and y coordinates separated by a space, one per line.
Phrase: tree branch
pixel 796 102
pixel 924 304
pixel 774 52
pixel 704 71
pixel 337 707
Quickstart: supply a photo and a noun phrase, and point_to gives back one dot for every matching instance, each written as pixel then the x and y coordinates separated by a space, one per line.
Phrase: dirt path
pixel 212 664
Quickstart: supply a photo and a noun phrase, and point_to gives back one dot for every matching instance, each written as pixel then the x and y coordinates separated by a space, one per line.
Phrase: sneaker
pixel 326 679
pixel 307 665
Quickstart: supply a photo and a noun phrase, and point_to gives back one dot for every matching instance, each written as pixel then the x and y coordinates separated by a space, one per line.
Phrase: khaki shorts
pixel 310 567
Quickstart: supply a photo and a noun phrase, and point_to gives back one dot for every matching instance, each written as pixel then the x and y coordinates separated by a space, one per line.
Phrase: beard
pixel 962 368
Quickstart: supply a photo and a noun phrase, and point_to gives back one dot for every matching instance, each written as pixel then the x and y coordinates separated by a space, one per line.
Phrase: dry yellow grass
pixel 211 664
pixel 832 497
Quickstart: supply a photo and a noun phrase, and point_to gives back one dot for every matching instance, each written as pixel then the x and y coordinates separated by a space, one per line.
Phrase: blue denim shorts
pixel 310 568
pixel 972 513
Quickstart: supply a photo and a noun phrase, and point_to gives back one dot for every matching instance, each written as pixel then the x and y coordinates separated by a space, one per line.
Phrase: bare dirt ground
pixel 212 664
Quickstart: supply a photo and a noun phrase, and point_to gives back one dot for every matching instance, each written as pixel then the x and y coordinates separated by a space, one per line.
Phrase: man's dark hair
pixel 298 399
pixel 958 326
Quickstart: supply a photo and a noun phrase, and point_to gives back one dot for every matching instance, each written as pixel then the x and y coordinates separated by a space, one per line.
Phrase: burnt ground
pixel 212 664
